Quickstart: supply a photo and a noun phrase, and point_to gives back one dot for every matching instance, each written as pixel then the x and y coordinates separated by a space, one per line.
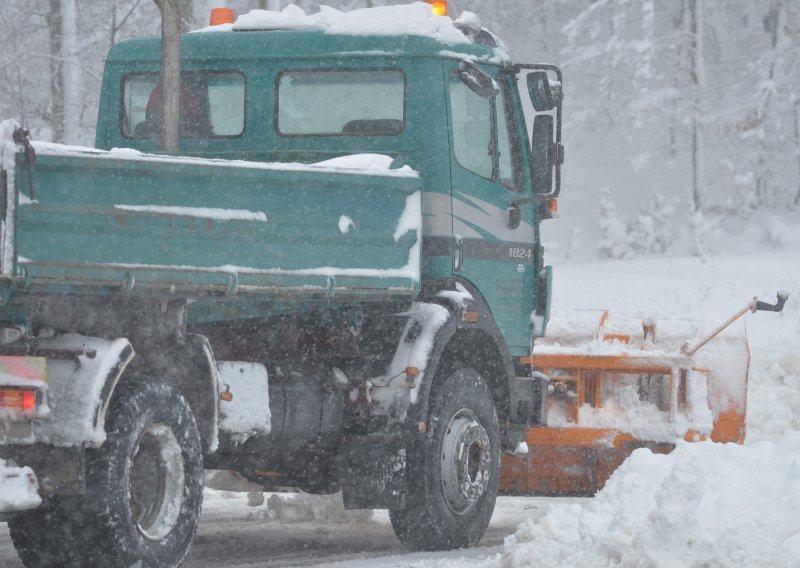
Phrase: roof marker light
pixel 222 16
pixel 439 7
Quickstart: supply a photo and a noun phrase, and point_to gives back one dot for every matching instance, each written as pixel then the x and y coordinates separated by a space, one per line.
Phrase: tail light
pixel 18 402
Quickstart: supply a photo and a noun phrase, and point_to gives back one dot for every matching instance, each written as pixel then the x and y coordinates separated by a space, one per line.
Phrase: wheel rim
pixel 156 480
pixel 466 461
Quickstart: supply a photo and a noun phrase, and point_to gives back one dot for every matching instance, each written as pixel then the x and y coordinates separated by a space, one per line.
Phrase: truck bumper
pixel 19 489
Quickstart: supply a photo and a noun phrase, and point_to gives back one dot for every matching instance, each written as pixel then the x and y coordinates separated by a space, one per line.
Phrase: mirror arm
pixel 526 200
pixel 514 213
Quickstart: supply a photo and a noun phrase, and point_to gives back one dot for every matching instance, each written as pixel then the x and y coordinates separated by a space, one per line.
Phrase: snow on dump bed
pixel 705 504
pixel 359 164
pixel 363 162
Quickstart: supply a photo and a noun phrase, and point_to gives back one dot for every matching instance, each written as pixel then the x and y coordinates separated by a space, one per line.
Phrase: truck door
pixel 487 176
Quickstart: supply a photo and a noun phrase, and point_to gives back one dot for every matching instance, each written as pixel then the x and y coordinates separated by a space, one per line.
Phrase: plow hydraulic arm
pixel 753 307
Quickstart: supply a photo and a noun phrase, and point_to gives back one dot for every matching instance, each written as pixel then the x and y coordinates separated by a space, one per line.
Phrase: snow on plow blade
pixel 618 383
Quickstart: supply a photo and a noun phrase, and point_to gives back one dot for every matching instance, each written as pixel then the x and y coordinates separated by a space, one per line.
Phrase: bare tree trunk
pixel 71 71
pixel 117 24
pixel 170 73
pixel 797 146
pixel 187 15
pixel 698 83
pixel 773 24
pixel 56 77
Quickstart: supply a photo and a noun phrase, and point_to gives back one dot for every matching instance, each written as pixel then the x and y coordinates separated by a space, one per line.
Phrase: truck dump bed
pixel 90 221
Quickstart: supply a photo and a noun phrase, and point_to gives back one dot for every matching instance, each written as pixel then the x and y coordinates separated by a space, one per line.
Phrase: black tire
pixel 144 490
pixel 451 493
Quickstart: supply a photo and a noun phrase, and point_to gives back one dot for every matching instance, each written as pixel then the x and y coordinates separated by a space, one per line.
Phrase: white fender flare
pixel 80 380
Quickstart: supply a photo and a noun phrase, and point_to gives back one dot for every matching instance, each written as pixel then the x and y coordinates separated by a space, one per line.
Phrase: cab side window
pixel 505 161
pixel 472 129
pixel 481 140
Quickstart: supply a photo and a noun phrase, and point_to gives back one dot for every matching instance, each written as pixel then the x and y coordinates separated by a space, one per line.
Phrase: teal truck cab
pixel 333 286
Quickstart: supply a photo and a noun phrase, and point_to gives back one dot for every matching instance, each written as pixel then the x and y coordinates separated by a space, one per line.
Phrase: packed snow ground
pixel 704 505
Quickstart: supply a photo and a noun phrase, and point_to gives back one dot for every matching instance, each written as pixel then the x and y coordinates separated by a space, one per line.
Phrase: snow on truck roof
pixel 411 29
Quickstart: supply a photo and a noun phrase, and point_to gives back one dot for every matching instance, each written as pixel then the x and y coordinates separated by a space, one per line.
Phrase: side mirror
pixel 478 81
pixel 545 95
pixel 543 157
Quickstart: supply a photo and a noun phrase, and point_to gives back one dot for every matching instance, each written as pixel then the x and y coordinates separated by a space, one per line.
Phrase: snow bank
pixel 774 393
pixel 307 507
pixel 705 504
pixel 225 485
pixel 19 489
pixel 219 482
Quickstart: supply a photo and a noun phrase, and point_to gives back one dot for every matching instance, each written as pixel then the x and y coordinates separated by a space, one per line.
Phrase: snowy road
pixel 234 535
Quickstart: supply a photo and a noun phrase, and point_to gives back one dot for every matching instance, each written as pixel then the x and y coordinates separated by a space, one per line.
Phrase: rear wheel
pixel 146 481
pixel 453 474
pixel 144 491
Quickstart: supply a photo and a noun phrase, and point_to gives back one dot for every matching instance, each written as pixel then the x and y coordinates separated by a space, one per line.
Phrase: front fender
pixel 454 309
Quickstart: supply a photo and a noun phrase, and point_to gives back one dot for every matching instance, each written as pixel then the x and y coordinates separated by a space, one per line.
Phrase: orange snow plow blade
pixel 615 386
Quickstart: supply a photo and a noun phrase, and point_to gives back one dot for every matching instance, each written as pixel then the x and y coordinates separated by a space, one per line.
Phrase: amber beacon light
pixel 439 7
pixel 222 16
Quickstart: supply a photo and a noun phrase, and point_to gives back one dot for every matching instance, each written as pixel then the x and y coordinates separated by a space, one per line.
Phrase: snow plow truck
pixel 335 284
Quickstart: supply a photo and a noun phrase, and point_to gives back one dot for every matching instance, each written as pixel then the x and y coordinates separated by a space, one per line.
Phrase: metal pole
pixel 170 73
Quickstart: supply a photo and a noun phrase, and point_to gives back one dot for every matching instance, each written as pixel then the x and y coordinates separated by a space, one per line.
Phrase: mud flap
pixel 528 408
pixel 372 475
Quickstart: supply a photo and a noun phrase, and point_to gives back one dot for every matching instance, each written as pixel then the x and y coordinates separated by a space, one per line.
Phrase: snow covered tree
pixel 652 231
pixel 615 241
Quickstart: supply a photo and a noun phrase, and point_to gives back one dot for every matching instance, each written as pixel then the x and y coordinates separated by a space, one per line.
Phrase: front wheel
pixel 453 474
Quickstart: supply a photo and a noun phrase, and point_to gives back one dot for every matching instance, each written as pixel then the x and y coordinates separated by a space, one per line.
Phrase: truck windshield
pixel 211 105
pixel 363 102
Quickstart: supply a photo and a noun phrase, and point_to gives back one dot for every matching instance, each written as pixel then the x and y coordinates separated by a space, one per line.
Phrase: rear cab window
pixel 212 105
pixel 340 102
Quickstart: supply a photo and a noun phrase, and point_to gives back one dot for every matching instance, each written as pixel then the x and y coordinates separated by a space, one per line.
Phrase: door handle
pixel 458 255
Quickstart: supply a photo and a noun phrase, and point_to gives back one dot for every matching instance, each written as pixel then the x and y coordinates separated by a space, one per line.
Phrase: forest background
pixel 682 117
